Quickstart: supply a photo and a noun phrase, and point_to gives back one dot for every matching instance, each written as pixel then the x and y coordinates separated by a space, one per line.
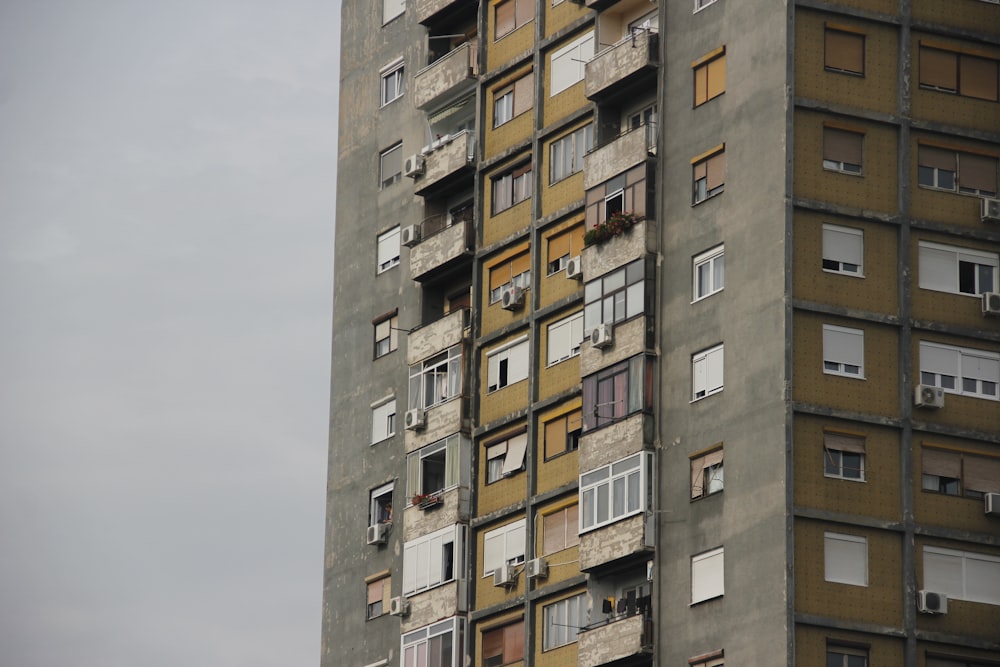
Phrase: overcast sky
pixel 167 174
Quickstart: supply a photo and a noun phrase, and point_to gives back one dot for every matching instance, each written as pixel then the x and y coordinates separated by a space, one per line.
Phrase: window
pixel 708 575
pixel 713 659
pixel 957 270
pixel 844 456
pixel 436 467
pixel 946 169
pixel 511 188
pixel 625 192
pixel 384 421
pixel 560 529
pixel 707 475
pixel 954 661
pixel 959 370
pixel 380 505
pixel 515 272
pixel 391 9
pixel 844 51
pixel 393 81
pixel 503 645
pixel 505 457
pixel 615 297
pixel 507 365
pixel 378 597
pixel 843 250
pixel 842 150
pixel 390 166
pixel 562 434
pixel 843 351
pixel 709 175
pixel 438 645
pixel 433 559
pixel 962 575
pixel 503 546
pixel 513 99
pixel 509 15
pixel 388 249
pixel 709 272
pixel 615 491
pixel 568 63
pixel 846 656
pixel 845 559
pixel 645 117
pixel 436 380
pixel 564 338
pixel 618 391
pixel 706 372
pixel 701 4
pixel 386 339
pixel 709 76
pixel 956 473
pixel 563 246
pixel 563 621
pixel 958 73
pixel 566 153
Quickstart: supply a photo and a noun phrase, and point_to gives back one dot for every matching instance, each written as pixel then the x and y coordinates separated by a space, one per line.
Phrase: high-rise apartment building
pixel 666 333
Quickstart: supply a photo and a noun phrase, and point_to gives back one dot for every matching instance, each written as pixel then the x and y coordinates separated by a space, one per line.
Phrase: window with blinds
pixel 707 474
pixel 562 434
pixel 509 15
pixel 844 51
pixel 513 99
pixel 561 247
pixel 514 272
pixel 709 76
pixel 560 529
pixel 958 73
pixel 842 150
pixel 709 176
pixel 843 351
pixel 950 169
pixel 843 250
pixel 844 456
pixel 956 473
pixel 503 645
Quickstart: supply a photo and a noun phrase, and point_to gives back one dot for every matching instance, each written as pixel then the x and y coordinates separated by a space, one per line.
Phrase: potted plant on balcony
pixel 426 500
pixel 616 225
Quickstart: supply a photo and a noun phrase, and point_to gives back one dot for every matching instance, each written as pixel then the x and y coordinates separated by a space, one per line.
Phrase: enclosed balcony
pixel 447 162
pixel 446 77
pixel 629 62
pixel 445 243
pixel 626 640
pixel 436 402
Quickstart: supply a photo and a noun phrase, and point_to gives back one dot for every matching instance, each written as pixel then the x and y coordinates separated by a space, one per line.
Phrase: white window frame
pixel 964 366
pixel 456 462
pixel 941 265
pixel 386 332
pixel 835 446
pixel 383 420
pixel 557 629
pixel 708 578
pixel 412 641
pixel 701 4
pixel 395 177
pixel 424 559
pixel 503 546
pixel 374 506
pixel 632 475
pixel 707 372
pixel 445 369
pixel 713 279
pixel 509 190
pixel 564 339
pixel 845 653
pixel 845 559
pixel 505 457
pixel 566 153
pixel 392 82
pixel 503 107
pixel 567 63
pixel 507 365
pixel 391 9
pixel 962 575
pixel 843 250
pixel 387 249
pixel 844 351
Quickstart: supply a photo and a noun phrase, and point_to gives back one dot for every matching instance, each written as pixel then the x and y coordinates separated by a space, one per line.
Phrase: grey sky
pixel 167 176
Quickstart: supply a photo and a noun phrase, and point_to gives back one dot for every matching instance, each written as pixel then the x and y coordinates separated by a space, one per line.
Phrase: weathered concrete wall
pixel 606 643
pixel 433 605
pixel 435 337
pixel 439 249
pixel 601 447
pixel 454 509
pixel 613 542
pixel 620 250
pixel 630 340
pixel 614 158
pixel 451 157
pixel 616 65
pixel 444 76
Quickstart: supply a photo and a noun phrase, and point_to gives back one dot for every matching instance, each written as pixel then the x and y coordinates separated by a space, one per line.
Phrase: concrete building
pixel 666 334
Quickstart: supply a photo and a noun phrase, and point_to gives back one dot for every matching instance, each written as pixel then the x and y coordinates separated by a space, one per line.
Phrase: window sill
pixel 851 376
pixel 834 70
pixel 845 172
pixel 708 197
pixel 844 273
pixel 710 294
pixel 711 393
pixel 844 479
pixel 954 191
pixel 717 597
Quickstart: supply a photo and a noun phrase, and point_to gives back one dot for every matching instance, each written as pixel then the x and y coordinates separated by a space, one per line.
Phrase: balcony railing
pixel 618 155
pixel 450 158
pixel 446 76
pixel 627 539
pixel 629 636
pixel 622 64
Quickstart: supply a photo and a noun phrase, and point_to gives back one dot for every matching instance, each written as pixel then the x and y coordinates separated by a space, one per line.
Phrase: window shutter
pixel 555 437
pixel 574 421
pixel 716 71
pixel 409 568
pixel 513 642
pixel 700 85
pixel 845 347
pixel 844 443
pixel 943 572
pixel 978 77
pixel 842 246
pixel 938 269
pixel 516 447
pixel 520 264
pixel 524 94
pixel 493 643
pixel 845 51
pixel 375 591
pixel 553 532
pixel 934 359
pixel 982 474
pixel 977 171
pixel 714 371
pixel 716 170
pixel 938 68
pixel 938 158
pixel 499 275
pixel 412 475
pixel 559 246
pixel 841 146
pixel 942 463
pixel 525 12
pixel 493 551
pixel 451 461
pixel 504 17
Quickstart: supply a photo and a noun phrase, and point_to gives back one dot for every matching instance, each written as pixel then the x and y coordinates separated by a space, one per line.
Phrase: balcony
pixel 435 604
pixel 454 508
pixel 626 63
pixel 616 252
pixel 616 543
pixel 437 336
pixel 449 159
pixel 619 155
pixel 449 76
pixel 428 10
pixel 626 640
pixel 610 443
pixel 441 247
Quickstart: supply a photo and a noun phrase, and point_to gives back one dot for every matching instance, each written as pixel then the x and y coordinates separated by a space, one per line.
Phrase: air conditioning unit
pixel 932 603
pixel 990 210
pixel 991 303
pixel 927 396
pixel 378 533
pixel 399 606
pixel 992 504
pixel 574 268
pixel 512 298
pixel 537 568
pixel 414 166
pixel 505 576
pixel 415 419
pixel 602 336
pixel 410 236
